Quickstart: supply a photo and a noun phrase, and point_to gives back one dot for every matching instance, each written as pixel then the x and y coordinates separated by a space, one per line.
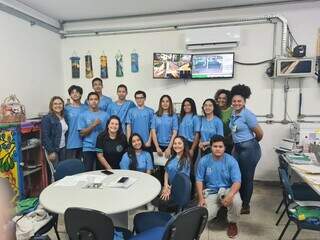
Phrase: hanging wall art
pixel 75 66
pixel 134 62
pixel 89 70
pixel 119 64
pixel 103 66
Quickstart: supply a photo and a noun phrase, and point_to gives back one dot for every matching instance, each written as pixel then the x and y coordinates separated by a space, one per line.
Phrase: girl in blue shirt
pixel 246 134
pixel 189 126
pixel 178 163
pixel 211 125
pixel 164 127
pixel 136 158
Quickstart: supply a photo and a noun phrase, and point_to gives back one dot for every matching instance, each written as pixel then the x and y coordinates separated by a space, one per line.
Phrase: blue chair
pixel 301 190
pixel 64 168
pixel 68 167
pixel 87 224
pixel 291 205
pixel 186 225
pixel 180 197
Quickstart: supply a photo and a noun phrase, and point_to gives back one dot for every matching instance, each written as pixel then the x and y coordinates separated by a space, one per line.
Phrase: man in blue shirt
pixel 218 180
pixel 104 101
pixel 71 113
pixel 139 119
pixel 90 124
pixel 121 106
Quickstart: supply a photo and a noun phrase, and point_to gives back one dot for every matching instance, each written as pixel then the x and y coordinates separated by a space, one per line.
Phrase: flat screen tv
pixel 172 65
pixel 214 65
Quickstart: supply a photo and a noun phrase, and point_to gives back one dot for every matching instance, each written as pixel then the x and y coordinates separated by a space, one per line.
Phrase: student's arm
pixel 149 141
pixel 154 136
pixel 128 131
pixel 219 127
pixel 201 199
pixel 103 161
pixel 166 190
pixel 149 163
pixel 194 144
pixel 86 131
pixel 167 152
pixel 258 132
pixel 227 200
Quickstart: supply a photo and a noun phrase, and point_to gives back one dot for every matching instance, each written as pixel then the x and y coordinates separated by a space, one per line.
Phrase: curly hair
pixel 226 92
pixel 241 90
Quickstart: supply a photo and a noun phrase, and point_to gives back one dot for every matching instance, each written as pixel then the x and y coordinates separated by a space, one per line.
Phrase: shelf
pixel 31 171
pixel 30 146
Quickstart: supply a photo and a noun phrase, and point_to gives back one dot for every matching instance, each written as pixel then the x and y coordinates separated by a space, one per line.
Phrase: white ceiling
pixel 74 9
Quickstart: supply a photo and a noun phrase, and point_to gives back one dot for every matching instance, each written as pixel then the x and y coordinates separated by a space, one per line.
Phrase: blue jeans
pixel 247 154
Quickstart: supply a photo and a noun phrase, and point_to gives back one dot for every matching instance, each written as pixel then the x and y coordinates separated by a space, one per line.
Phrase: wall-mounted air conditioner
pixel 212 38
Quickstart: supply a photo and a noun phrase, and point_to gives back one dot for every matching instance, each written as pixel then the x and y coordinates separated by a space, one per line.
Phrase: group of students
pixel 121 134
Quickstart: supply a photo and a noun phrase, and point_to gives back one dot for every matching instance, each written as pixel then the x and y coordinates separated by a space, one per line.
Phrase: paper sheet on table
pixel 315 179
pixel 159 161
pixel 128 183
pixel 312 169
pixel 94 178
pixel 68 181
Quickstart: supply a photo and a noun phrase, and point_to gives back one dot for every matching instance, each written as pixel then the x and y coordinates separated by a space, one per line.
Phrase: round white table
pixel 116 202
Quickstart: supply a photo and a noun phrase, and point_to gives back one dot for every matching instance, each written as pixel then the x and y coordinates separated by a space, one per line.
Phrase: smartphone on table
pixel 107 172
pixel 123 180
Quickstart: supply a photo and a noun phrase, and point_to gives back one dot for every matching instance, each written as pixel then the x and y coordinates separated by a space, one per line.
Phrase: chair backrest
pixel 181 190
pixel 68 167
pixel 287 190
pixel 187 225
pixel 87 224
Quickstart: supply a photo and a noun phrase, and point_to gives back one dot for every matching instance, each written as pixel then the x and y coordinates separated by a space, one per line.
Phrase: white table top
pixel 305 176
pixel 108 200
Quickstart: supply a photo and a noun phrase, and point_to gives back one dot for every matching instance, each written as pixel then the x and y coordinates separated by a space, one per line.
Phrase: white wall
pixel 256 45
pixel 30 63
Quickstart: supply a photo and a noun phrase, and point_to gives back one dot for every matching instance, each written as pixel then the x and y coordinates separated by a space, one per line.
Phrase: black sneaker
pixel 245 210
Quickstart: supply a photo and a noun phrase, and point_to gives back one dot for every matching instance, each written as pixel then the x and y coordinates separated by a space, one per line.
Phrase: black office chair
pixel 180 197
pixel 291 206
pixel 186 225
pixel 87 224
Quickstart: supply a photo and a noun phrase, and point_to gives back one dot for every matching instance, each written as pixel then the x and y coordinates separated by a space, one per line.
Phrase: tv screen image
pixel 217 65
pixel 171 65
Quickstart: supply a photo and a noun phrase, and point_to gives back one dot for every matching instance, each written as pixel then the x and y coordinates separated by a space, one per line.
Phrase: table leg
pixel 120 219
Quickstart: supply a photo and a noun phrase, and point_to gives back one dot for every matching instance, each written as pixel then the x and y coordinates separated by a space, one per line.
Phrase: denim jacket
pixel 51 131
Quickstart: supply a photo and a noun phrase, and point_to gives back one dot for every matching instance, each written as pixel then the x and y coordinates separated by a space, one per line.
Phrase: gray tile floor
pixel 260 224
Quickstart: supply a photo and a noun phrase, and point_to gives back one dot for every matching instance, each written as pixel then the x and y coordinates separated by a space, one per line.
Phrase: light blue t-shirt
pixel 164 126
pixel 144 162
pixel 71 114
pixel 217 174
pixel 210 128
pixel 85 120
pixel 121 111
pixel 189 126
pixel 241 125
pixel 140 120
pixel 173 167
pixel 104 102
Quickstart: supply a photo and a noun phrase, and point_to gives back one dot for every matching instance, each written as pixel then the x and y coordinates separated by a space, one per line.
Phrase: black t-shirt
pixel 112 149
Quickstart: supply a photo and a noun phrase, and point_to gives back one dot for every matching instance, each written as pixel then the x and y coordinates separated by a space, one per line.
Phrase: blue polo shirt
pixel 71 114
pixel 217 174
pixel 174 167
pixel 104 102
pixel 241 125
pixel 85 120
pixel 164 126
pixel 140 120
pixel 189 126
pixel 210 128
pixel 121 111
pixel 144 162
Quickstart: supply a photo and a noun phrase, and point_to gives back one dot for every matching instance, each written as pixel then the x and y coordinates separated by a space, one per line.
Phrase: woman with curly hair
pixel 246 134
pixel 223 99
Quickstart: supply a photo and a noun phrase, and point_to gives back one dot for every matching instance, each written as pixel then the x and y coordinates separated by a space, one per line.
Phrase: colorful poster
pixel 89 70
pixel 9 160
pixel 103 66
pixel 75 67
pixel 119 63
pixel 134 62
